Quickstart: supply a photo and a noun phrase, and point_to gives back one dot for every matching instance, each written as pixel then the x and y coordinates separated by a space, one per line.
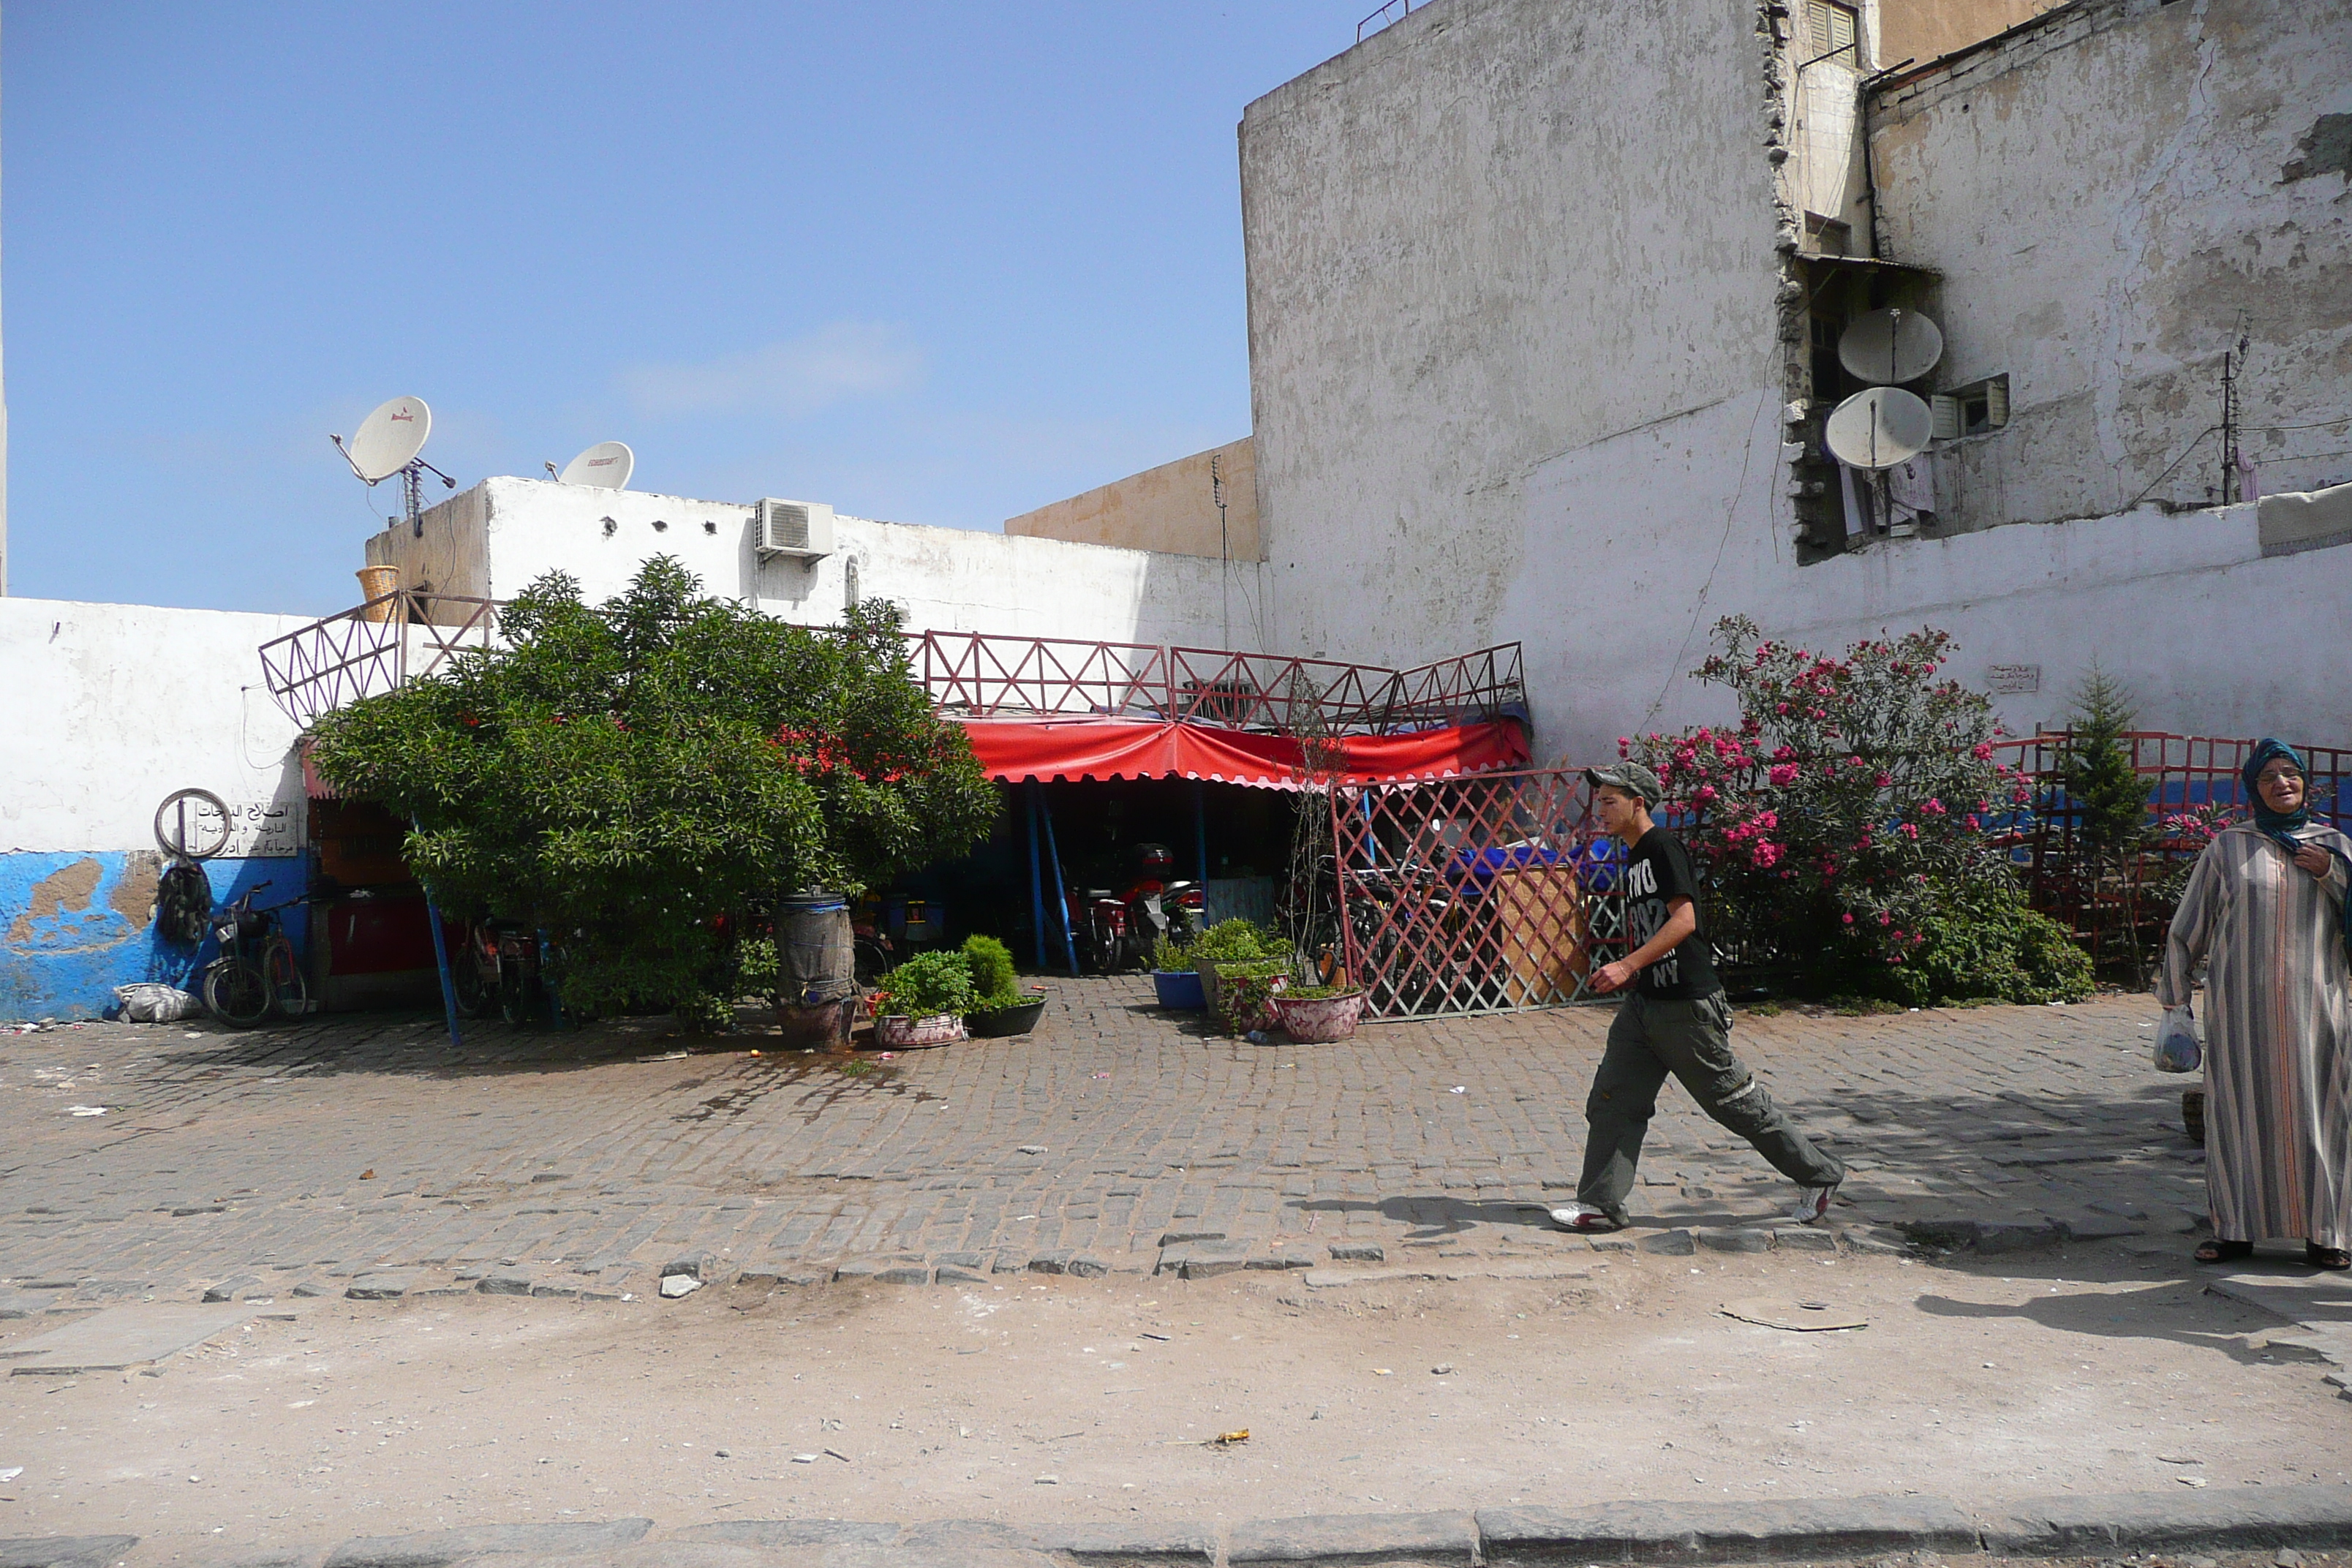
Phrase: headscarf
pixel 2277 824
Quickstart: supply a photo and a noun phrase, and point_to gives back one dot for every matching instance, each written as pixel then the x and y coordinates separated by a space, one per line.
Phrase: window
pixel 1835 29
pixel 1978 409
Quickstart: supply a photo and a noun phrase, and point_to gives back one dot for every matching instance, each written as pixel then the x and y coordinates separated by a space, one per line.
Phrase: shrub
pixel 1242 989
pixel 926 983
pixel 1173 957
pixel 1985 942
pixel 994 978
pixel 1235 941
pixel 1853 797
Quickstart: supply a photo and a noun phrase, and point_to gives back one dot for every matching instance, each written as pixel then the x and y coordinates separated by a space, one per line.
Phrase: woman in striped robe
pixel 2265 910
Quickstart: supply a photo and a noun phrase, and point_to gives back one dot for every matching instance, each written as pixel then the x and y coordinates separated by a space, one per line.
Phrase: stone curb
pixel 2309 1517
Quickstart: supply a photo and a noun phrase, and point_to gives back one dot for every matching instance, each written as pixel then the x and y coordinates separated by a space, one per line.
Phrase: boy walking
pixel 1675 1020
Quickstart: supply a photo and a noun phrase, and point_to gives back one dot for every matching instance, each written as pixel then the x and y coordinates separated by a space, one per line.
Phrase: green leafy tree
pixel 634 777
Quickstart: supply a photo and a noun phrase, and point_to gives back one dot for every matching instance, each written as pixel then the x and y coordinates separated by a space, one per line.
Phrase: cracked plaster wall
pixel 2108 195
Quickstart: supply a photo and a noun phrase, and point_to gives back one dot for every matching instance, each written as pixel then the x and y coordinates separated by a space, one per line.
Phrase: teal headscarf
pixel 2277 824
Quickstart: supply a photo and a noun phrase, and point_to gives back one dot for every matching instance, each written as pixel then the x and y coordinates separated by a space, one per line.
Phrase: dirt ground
pixel 1035 1398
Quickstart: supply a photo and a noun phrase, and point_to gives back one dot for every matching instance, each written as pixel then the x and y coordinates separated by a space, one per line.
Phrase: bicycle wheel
pixel 236 992
pixel 288 992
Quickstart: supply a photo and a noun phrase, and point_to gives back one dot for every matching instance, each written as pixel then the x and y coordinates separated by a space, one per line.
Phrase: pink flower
pixel 1981 750
pixel 1706 794
pixel 1971 820
pixel 1783 708
pixel 1783 774
pixel 1910 830
pixel 1884 919
pixel 1934 807
pixel 1766 856
pixel 1883 781
pixel 1847 918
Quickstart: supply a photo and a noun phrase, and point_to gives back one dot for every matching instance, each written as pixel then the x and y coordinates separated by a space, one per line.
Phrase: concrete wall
pixel 2111 196
pixel 495 539
pixel 1170 508
pixel 108 709
pixel 1493 233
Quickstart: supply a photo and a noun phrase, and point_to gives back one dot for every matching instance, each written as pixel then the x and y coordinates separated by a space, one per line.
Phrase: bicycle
pixel 256 973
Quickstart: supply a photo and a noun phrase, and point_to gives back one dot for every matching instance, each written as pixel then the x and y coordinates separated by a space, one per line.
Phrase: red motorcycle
pixel 1117 928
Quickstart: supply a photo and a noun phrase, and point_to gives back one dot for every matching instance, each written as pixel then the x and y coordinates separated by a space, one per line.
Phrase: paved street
pixel 349 1147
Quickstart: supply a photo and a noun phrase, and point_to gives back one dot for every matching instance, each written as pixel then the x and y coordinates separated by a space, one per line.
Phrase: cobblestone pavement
pixel 586 1162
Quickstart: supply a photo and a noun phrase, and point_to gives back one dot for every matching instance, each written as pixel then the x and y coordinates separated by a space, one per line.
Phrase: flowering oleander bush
pixel 1852 815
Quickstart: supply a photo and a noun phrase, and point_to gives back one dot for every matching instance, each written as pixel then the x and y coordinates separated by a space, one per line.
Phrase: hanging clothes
pixel 2278 1035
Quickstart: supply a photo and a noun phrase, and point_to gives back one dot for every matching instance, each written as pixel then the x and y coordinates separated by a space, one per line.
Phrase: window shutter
pixel 1947 411
pixel 1997 402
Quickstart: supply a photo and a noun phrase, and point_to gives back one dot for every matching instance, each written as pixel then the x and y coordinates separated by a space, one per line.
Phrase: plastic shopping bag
pixel 2176 1043
pixel 150 1002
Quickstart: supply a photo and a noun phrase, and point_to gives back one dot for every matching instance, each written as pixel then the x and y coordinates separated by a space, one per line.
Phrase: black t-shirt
pixel 1656 872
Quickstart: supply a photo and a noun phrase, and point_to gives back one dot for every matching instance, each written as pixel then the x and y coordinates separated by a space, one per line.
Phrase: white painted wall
pixel 108 708
pixel 1491 233
pixel 495 539
pixel 2107 197
pixel 1517 372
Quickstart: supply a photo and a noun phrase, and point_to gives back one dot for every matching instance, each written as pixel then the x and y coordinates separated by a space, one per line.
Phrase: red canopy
pixel 1105 748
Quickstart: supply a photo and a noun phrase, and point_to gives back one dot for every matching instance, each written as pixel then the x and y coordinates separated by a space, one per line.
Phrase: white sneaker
pixel 1813 1203
pixel 1583 1216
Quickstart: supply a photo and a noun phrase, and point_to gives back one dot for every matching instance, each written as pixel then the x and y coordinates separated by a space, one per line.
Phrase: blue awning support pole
pixel 1200 831
pixel 441 962
pixel 1061 895
pixel 1037 875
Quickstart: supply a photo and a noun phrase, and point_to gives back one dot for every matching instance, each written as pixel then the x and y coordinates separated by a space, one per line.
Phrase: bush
pixel 1242 989
pixel 930 982
pixel 994 978
pixel 1855 797
pixel 1173 957
pixel 1235 941
pixel 1987 942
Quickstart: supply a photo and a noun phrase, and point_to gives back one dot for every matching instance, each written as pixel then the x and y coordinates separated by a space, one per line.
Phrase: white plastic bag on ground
pixel 2176 1042
pixel 150 1002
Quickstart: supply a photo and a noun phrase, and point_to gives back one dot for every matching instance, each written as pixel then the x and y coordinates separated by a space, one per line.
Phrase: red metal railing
pixel 1486 894
pixel 372 648
pixel 976 675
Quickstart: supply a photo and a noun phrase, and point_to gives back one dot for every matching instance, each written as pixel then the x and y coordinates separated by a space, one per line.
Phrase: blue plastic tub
pixel 1179 989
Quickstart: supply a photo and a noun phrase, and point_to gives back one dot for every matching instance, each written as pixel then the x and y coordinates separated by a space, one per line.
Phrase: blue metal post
pixel 441 962
pixel 1061 894
pixel 1036 877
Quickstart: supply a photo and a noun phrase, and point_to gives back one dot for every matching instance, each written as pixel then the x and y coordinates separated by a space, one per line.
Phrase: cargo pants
pixel 1692 1040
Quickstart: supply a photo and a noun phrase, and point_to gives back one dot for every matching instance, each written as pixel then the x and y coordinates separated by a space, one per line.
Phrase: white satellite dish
pixel 605 465
pixel 390 438
pixel 1879 428
pixel 1886 347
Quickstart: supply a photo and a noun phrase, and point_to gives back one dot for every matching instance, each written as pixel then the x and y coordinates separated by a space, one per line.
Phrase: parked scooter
pixel 1116 928
pixel 499 972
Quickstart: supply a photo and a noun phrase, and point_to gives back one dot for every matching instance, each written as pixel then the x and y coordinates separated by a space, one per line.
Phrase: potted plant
pixel 1235 941
pixel 923 1002
pixel 1245 993
pixel 1316 1014
pixel 1002 1008
pixel 1176 976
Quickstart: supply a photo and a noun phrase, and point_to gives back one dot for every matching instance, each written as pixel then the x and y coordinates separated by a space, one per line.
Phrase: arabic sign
pixel 2014 680
pixel 257 829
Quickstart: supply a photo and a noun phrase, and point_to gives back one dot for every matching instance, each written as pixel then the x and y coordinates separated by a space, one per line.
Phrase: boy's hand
pixel 1613 976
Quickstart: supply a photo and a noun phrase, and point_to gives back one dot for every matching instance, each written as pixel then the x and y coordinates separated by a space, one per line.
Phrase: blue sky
pixel 931 263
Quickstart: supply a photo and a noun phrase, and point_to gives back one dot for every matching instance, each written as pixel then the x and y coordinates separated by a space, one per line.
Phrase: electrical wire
pixel 2175 462
pixel 1698 606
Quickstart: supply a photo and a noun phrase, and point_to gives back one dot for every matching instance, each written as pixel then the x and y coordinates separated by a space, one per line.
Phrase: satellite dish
pixel 1879 428
pixel 1889 346
pixel 605 465
pixel 390 438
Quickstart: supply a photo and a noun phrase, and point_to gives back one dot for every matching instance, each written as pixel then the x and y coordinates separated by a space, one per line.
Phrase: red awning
pixel 1091 749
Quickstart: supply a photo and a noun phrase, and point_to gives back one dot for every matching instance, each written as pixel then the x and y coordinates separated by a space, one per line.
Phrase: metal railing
pixel 378 646
pixel 1383 17
pixel 372 648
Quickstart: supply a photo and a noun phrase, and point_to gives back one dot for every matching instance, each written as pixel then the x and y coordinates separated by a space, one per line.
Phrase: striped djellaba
pixel 2278 1035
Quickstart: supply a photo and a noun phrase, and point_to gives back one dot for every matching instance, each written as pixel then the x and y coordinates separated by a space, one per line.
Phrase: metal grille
pixel 1474 895
pixel 372 648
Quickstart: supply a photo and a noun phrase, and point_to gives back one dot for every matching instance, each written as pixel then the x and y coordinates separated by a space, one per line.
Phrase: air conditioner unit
pixel 800 529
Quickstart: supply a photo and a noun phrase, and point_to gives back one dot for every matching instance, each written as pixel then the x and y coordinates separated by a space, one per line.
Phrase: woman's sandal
pixel 2318 1256
pixel 2215 1250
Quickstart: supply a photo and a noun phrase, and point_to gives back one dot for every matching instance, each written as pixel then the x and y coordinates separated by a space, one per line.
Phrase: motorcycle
pixel 1117 928
pixel 498 972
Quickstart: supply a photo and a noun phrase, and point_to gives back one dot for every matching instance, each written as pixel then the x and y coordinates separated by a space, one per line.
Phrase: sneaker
pixel 1583 1216
pixel 1813 1203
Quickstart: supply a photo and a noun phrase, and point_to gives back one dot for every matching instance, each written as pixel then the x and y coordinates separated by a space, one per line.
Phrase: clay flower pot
pixel 897 1032
pixel 1318 1020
